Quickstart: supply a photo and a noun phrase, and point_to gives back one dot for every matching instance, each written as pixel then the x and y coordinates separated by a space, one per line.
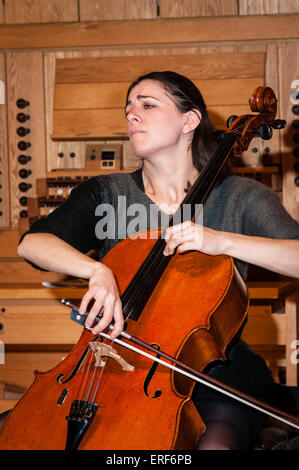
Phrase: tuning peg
pixel 217 135
pixel 277 123
pixel 265 132
pixel 230 120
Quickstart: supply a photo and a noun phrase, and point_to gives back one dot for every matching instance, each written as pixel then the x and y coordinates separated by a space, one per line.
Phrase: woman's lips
pixel 136 131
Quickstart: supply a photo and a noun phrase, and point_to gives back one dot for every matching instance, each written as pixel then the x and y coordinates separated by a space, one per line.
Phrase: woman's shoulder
pixel 98 184
pixel 241 185
pixel 115 178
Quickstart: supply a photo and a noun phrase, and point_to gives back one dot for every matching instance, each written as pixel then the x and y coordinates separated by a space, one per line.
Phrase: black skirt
pixel 248 373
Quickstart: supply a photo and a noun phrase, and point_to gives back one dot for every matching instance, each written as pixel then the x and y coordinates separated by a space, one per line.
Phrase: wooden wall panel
pixel 221 91
pixel 149 32
pixel 19 367
pixel 267 152
pixel 25 80
pixel 104 118
pixel 40 11
pixel 60 155
pixel 197 8
pixel 268 7
pixel 99 10
pixel 1 13
pixel 111 123
pixel 43 323
pixel 103 95
pixel 289 73
pixel 4 165
pixel 273 148
pixel 124 68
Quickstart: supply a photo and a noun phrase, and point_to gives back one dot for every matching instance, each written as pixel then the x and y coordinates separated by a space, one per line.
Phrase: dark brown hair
pixel 187 97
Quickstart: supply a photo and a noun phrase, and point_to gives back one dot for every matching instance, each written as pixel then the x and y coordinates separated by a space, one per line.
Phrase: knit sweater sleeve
pixel 264 215
pixel 74 221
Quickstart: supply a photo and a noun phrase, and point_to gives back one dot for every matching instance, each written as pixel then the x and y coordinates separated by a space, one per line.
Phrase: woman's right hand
pixel 103 290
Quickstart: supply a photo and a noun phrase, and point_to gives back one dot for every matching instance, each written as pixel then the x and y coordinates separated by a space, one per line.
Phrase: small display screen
pixel 108 154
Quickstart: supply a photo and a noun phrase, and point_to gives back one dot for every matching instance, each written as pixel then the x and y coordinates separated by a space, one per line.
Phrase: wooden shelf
pixel 257 169
pixel 270 289
pixel 38 291
pixel 257 290
pixel 146 32
pixel 69 172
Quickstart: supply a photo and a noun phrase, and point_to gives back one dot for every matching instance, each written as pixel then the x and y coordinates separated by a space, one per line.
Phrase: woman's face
pixel 154 122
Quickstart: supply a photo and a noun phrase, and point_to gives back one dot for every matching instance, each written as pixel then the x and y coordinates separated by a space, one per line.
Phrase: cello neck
pixel 206 181
pixel 143 283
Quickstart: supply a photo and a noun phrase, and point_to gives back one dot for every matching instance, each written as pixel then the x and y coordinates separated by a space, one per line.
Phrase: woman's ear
pixel 193 119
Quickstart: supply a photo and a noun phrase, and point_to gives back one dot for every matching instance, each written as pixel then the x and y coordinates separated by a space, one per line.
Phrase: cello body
pixel 137 409
pixel 197 306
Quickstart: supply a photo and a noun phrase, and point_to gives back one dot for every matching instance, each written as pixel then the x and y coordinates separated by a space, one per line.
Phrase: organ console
pixel 23 145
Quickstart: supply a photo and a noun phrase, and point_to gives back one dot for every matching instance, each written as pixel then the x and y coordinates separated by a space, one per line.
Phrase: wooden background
pixel 68 59
pixel 237 45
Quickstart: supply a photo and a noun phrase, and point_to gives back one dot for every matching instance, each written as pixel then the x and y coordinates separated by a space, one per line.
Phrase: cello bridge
pixel 101 350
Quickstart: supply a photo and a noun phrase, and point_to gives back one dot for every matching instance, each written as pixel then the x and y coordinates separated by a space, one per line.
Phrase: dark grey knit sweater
pixel 238 205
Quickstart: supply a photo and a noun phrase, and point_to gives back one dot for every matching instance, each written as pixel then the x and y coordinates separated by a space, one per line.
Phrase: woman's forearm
pixel 280 256
pixel 53 254
pixel 50 252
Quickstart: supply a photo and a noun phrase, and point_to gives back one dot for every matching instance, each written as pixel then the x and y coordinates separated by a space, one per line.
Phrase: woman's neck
pixel 166 183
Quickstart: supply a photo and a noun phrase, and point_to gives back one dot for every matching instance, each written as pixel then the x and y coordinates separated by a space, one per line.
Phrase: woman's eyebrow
pixel 142 97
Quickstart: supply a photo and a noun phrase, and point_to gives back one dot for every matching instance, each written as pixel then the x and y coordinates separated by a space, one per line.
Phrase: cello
pixel 101 397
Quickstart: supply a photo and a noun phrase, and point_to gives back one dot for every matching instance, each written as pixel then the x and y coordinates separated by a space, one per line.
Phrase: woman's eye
pixel 148 106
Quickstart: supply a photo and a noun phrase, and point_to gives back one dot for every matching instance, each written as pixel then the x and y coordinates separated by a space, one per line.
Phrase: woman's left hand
pixel 278 255
pixel 190 236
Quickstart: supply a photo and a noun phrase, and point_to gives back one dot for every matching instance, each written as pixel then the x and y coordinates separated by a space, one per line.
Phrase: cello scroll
pixel 264 102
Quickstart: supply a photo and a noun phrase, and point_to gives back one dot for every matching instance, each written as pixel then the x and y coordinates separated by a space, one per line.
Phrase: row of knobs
pixel 295 137
pixel 22 132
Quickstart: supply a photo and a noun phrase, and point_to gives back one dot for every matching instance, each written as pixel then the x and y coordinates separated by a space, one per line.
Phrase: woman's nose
pixel 133 116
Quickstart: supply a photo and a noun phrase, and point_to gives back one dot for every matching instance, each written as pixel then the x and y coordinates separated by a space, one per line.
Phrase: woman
pixel 169 128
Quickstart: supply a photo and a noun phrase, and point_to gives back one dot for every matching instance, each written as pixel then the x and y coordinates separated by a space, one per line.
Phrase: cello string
pixel 91 380
pixel 205 380
pixel 147 279
pixel 82 367
pixel 155 254
pixel 84 380
pixel 96 372
pixel 155 264
pixel 202 381
pixel 156 261
pixel 100 378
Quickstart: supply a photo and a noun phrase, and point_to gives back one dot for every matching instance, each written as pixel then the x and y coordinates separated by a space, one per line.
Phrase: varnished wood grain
pixel 124 68
pixel 4 176
pixel 98 117
pixel 109 123
pixel 267 7
pixel 37 322
pixel 292 333
pixel 99 10
pixel 19 367
pixel 25 80
pixel 264 327
pixel 197 8
pixel 40 11
pixel 289 70
pixel 37 291
pixel 113 95
pixel 146 32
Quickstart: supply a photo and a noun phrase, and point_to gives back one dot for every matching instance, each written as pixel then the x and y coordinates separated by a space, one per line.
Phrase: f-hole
pixel 150 375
